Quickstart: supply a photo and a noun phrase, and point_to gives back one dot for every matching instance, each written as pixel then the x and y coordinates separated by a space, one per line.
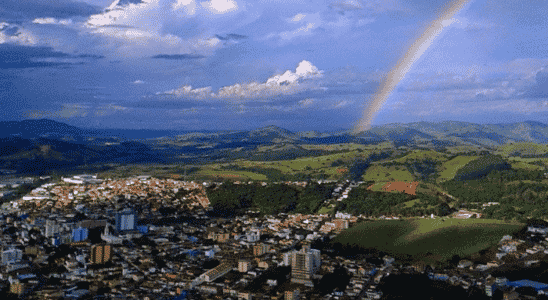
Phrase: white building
pixel 253 236
pixel 82 179
pixel 304 264
pixel 111 239
pixel 51 228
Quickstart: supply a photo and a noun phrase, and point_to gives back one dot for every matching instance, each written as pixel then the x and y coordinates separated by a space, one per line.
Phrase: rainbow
pixel 405 63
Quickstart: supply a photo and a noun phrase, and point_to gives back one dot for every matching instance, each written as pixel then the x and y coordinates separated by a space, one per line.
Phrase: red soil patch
pixel 403 187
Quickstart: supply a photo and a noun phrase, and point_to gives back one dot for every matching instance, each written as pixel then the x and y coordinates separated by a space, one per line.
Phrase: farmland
pixel 380 173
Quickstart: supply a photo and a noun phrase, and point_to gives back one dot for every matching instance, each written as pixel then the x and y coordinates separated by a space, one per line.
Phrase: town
pixel 83 237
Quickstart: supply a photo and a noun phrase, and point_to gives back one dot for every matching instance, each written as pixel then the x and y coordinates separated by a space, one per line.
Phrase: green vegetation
pixel 427 239
pixel 229 198
pixel 418 155
pixel 419 165
pixel 523 150
pixel 450 167
pixel 379 173
pixel 481 167
pixel 237 175
pixel 520 193
pixel 362 201
pixel 516 164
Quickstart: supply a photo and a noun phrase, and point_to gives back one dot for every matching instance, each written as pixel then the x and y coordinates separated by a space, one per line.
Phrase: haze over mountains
pixel 45 144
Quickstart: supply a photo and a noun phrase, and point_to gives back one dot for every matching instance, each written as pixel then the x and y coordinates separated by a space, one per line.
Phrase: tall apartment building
pixel 292 295
pixel 260 249
pixel 125 220
pixel 17 287
pixel 304 264
pixel 244 266
pixel 51 228
pixel 101 254
pixel 79 234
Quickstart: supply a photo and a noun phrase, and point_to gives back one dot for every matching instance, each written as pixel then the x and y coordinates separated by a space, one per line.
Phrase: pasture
pixel 428 239
pixel 449 168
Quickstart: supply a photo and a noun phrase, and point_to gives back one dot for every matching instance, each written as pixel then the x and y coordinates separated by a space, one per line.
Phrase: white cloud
pixel 287 83
pixel 167 26
pixel 138 82
pixel 109 109
pixel 52 21
pixel 220 6
pixel 188 5
pixel 13 34
pixel 297 17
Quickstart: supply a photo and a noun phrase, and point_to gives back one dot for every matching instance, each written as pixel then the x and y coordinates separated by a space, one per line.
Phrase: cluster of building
pixel 131 239
pixel 87 188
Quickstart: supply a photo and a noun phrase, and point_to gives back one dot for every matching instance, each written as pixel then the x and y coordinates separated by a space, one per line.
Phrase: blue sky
pixel 301 65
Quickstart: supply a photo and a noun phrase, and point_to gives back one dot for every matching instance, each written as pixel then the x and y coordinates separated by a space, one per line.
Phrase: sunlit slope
pixel 523 149
pixel 382 174
pixel 432 238
pixel 450 167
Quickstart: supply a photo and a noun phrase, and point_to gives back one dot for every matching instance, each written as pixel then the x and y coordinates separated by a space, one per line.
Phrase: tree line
pixel 229 199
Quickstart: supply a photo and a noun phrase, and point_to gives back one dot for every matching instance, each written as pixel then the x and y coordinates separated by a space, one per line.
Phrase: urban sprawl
pixel 88 238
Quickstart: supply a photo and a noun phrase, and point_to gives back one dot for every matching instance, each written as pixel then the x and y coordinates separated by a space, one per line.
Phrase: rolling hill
pixel 78 145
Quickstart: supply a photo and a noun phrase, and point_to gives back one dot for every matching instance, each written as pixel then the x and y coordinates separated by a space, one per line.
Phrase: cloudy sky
pixel 301 65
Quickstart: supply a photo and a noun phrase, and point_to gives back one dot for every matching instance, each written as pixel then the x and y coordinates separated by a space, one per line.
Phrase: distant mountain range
pixel 45 144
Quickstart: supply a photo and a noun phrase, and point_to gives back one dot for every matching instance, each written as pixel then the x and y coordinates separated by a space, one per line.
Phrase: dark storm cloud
pixel 17 10
pixel 21 57
pixel 231 36
pixel 90 56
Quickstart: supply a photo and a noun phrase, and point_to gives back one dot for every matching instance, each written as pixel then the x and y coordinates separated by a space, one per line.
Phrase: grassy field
pixel 422 155
pixel 229 174
pixel 411 203
pixel 428 239
pixel 384 174
pixel 523 165
pixel 461 149
pixel 337 147
pixel 450 167
pixel 306 165
pixel 522 149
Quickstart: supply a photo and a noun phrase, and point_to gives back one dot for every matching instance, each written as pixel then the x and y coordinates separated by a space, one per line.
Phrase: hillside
pixel 432 144
pixel 428 240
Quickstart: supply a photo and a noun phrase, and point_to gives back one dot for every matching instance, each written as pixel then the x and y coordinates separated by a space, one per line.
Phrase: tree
pixel 443 209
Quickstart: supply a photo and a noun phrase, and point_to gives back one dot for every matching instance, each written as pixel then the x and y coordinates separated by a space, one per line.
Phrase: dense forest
pixel 362 201
pixel 519 194
pixel 481 167
pixel 229 198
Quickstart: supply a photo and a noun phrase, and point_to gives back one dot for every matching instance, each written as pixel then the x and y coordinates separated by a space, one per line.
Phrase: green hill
pixel 450 167
pixel 482 166
pixel 427 239
pixel 383 174
pixel 523 150
pixel 422 155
